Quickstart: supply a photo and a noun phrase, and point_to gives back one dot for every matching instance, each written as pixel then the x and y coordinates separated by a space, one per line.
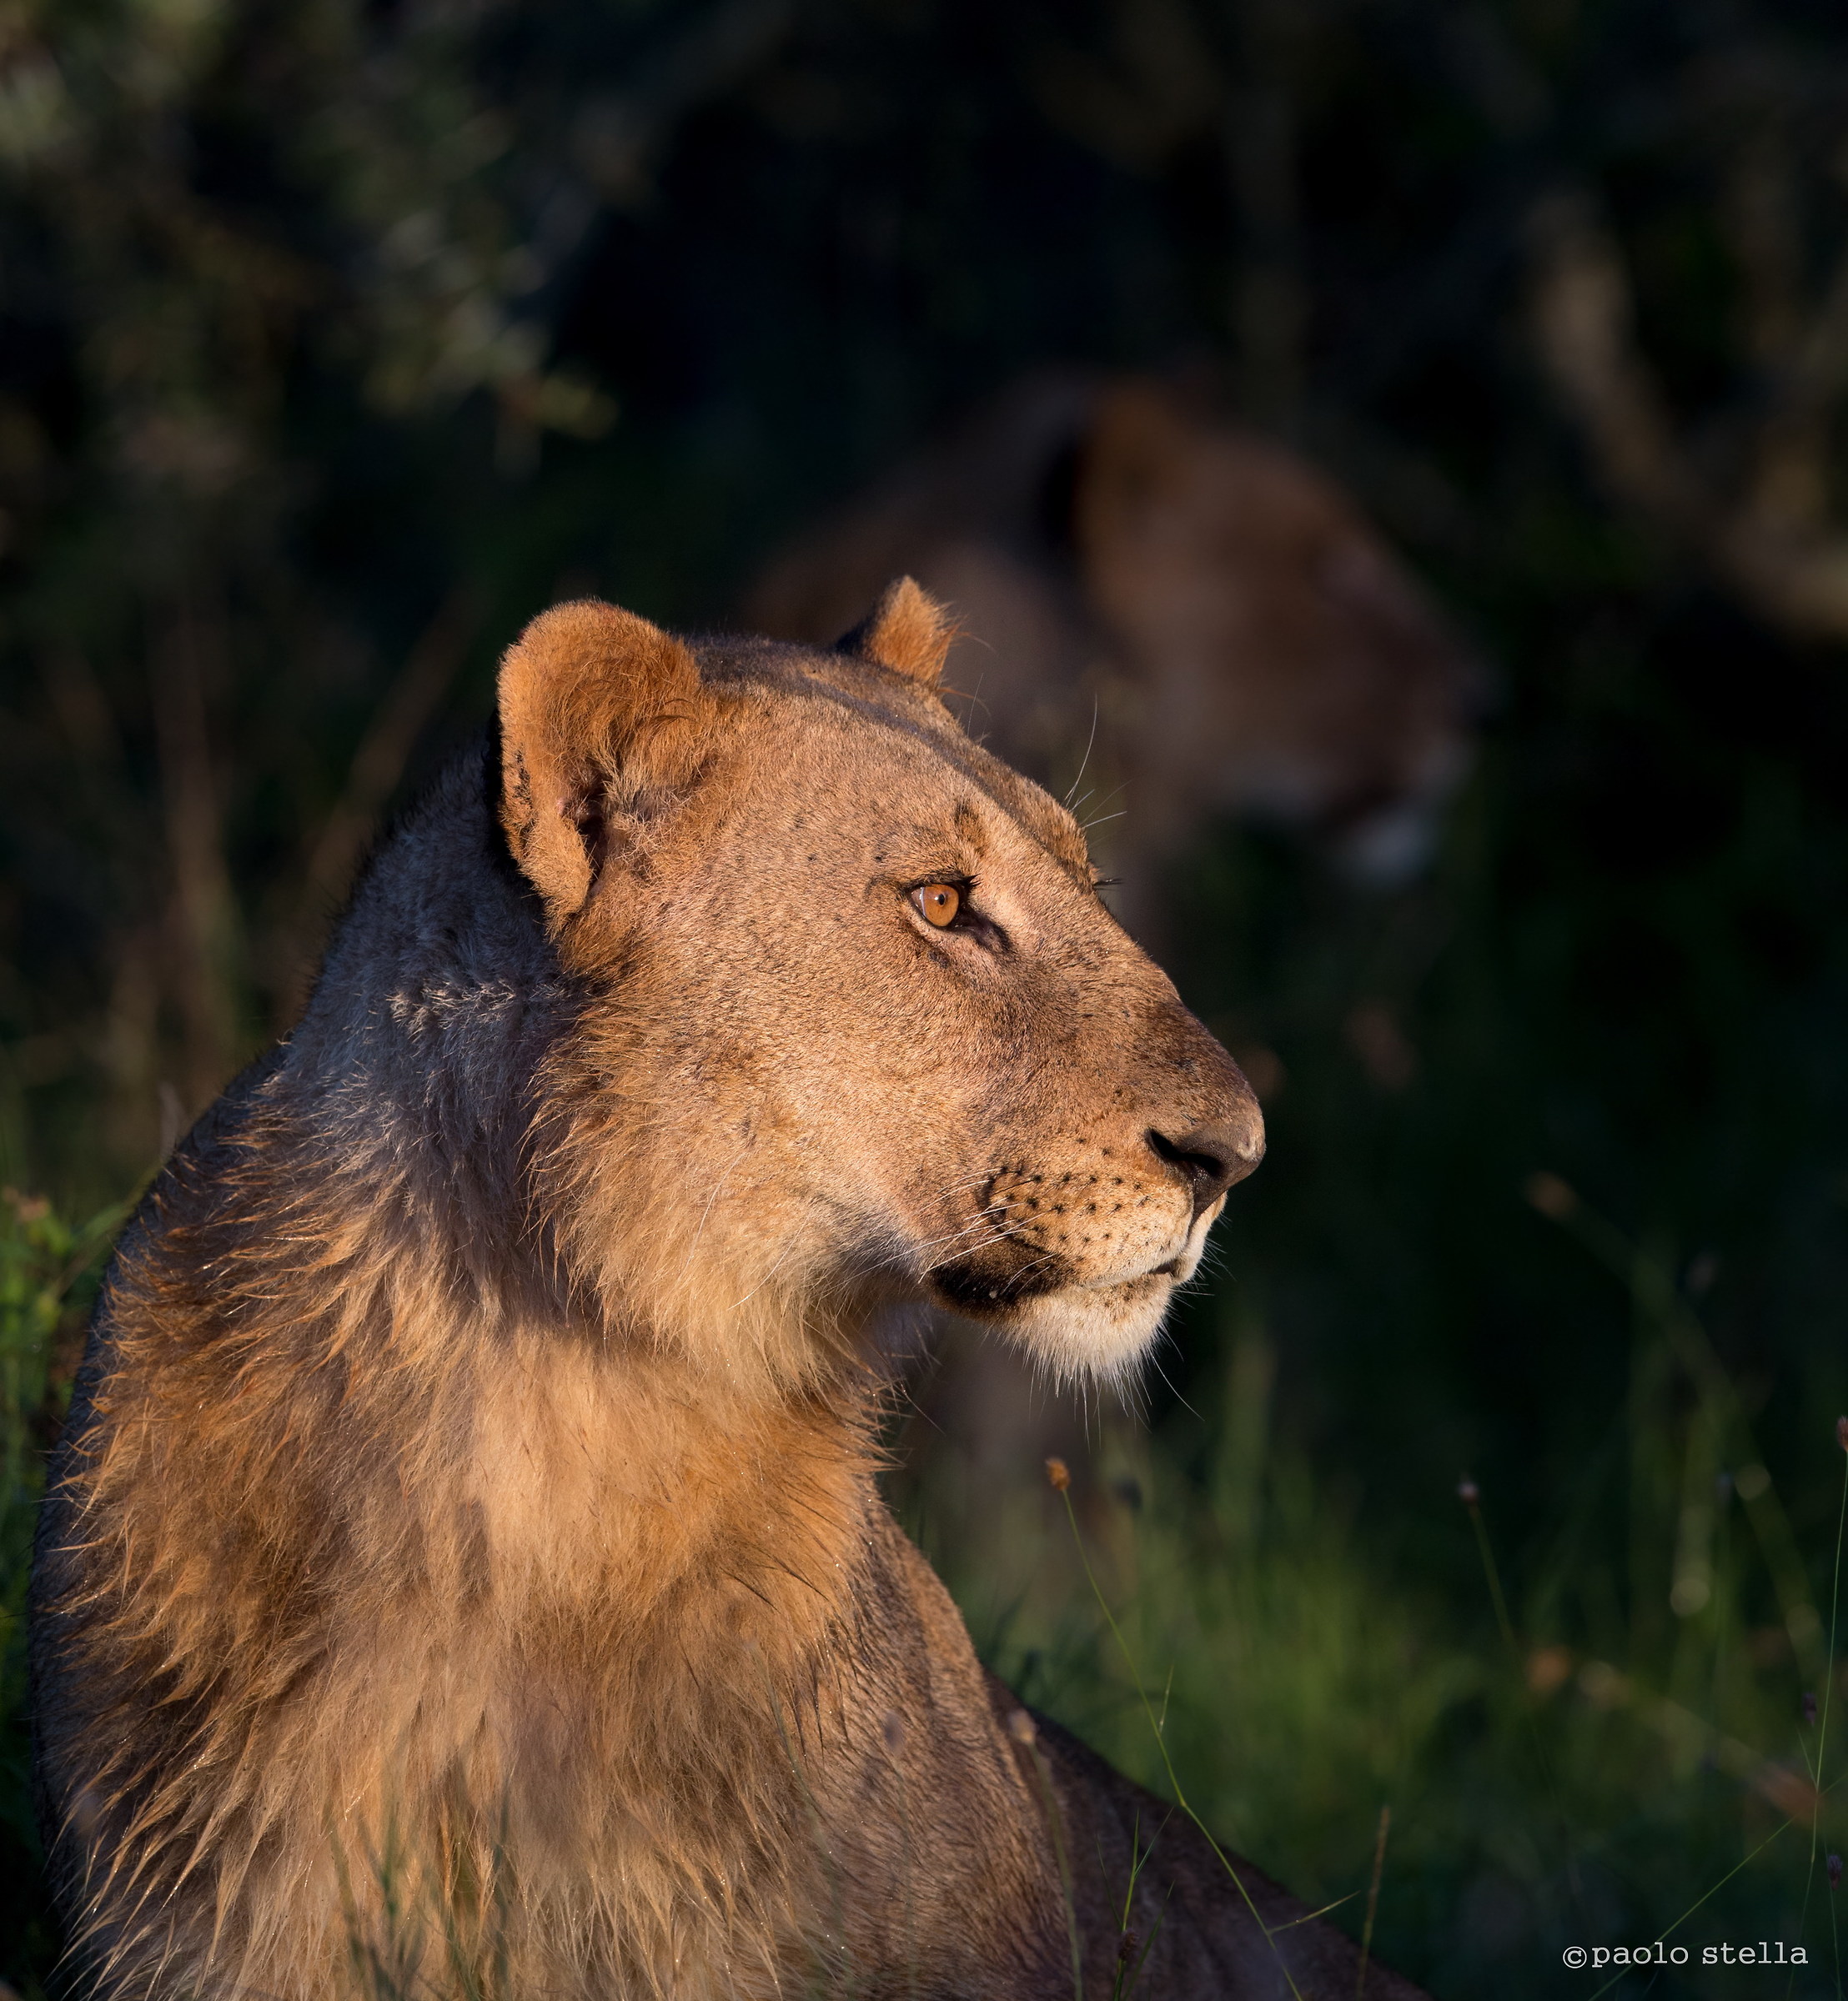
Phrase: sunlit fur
pixel 463 1573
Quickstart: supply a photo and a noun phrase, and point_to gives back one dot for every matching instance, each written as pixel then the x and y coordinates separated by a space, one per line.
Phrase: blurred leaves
pixel 241 243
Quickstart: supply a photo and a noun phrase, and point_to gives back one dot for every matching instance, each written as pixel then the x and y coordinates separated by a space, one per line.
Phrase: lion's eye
pixel 938 902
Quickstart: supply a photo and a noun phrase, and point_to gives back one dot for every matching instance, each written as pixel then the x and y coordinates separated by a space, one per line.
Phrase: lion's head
pixel 856 1029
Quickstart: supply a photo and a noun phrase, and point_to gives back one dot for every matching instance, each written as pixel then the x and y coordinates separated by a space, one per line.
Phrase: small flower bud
pixel 1552 1196
pixel 1059 1473
pixel 1468 1492
pixel 1126 1949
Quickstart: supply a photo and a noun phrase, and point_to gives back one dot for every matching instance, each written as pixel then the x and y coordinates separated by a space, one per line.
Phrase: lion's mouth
pixel 1185 1261
pixel 1095 1328
pixel 976 1288
pixel 978 1291
pixel 1079 1319
pixel 1015 1271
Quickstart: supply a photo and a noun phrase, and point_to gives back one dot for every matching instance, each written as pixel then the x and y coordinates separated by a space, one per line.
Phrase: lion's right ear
pixel 601 712
pixel 907 630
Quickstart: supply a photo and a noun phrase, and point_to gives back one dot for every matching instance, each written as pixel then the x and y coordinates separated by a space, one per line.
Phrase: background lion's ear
pixel 907 630
pixel 599 711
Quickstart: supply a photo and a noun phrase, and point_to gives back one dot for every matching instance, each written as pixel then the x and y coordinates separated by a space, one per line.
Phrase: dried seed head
pixel 1126 1949
pixel 1834 1872
pixel 1059 1473
pixel 1020 1728
pixel 1552 1196
pixel 1468 1492
pixel 1808 1709
pixel 1549 1668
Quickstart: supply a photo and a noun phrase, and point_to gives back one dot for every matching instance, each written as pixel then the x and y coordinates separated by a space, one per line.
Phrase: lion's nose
pixel 1214 1155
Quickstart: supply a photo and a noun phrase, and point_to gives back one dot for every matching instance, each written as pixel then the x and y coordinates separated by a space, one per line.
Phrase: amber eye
pixel 939 901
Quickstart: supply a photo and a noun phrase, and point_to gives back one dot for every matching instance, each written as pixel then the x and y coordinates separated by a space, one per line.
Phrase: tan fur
pixel 464 1572
pixel 1192 616
pixel 908 632
pixel 570 727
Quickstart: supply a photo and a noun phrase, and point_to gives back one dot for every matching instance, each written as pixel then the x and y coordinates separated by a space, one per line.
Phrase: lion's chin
pixel 1096 1332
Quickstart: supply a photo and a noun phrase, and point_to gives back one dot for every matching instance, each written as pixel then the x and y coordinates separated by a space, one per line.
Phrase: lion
pixel 463 1571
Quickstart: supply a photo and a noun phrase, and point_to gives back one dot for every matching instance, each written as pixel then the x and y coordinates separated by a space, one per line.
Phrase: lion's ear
pixel 599 712
pixel 907 630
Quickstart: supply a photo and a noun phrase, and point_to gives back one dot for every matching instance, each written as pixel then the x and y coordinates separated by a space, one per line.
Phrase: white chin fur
pixel 1102 1331
pixel 1098 1331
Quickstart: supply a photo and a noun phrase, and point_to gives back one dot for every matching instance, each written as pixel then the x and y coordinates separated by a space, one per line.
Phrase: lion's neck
pixel 632 1481
pixel 590 1604
pixel 666 1596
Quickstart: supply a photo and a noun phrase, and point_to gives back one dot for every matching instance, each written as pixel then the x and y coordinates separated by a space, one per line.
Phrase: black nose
pixel 1214 1155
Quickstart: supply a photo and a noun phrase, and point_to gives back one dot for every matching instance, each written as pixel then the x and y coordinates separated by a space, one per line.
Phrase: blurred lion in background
pixel 1192 618
pixel 463 1573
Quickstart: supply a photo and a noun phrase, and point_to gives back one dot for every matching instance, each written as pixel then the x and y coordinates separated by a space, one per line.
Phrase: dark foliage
pixel 336 339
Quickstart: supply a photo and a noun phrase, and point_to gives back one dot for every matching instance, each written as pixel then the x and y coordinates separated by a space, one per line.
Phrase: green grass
pixel 49 1271
pixel 1606 1745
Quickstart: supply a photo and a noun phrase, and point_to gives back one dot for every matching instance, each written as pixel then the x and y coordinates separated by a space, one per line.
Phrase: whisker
pixel 1084 761
pixel 1154 1362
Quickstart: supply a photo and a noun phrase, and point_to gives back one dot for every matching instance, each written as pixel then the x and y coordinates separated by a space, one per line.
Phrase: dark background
pixel 336 339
